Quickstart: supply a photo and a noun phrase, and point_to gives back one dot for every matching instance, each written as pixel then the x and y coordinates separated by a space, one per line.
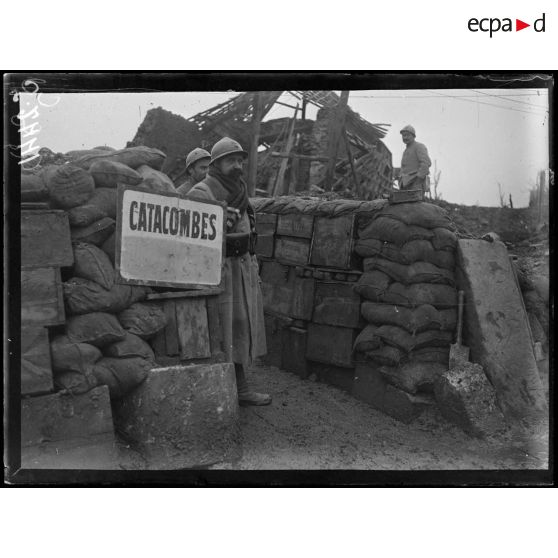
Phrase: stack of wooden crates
pixel 312 314
pixel 58 430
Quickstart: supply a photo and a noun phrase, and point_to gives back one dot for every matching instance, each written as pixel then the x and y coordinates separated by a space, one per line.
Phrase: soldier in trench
pixel 197 163
pixel 240 305
pixel 415 162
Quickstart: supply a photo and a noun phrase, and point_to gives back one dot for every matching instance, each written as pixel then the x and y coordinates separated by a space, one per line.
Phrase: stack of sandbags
pixel 408 291
pixel 107 324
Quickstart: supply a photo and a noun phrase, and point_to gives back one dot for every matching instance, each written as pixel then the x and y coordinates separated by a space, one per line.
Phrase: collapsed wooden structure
pixel 338 151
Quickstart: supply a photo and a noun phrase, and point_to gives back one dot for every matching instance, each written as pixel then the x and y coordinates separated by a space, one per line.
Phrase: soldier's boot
pixel 245 395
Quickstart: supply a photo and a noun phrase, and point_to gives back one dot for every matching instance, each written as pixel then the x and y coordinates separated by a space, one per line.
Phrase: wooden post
pixel 279 189
pixel 335 128
pixel 351 162
pixel 253 159
pixel 541 192
pixel 304 103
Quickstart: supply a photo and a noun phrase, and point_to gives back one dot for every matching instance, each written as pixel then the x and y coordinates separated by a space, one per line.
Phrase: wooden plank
pixel 295 225
pixel 302 299
pixel 333 375
pixel 42 301
pixel 192 328
pixel 330 344
pixel 266 223
pixel 171 334
pixel 279 188
pixel 265 245
pixel 336 125
pixel 274 326
pixel 207 291
pixel 292 250
pixel 56 417
pixel 332 244
pixel 254 141
pixel 45 239
pixel 336 304
pixel 36 371
pixel 293 357
pixel 214 327
pixel 159 344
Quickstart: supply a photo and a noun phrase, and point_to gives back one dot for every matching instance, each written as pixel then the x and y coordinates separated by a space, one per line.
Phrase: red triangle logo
pixel 519 25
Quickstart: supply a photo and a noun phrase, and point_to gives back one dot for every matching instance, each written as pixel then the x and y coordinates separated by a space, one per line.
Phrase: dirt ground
pixel 315 426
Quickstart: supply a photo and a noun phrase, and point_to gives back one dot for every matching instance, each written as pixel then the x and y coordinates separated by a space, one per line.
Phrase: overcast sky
pixel 478 138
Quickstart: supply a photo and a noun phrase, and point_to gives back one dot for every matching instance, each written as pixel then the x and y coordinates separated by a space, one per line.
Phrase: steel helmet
pixel 196 155
pixel 226 146
pixel 408 128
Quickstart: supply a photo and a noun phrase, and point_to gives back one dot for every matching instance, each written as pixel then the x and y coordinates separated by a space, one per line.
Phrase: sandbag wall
pixel 95 347
pixel 361 293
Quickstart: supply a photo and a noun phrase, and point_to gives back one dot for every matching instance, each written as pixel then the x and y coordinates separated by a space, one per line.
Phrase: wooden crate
pixel 302 299
pixel 296 225
pixel 334 375
pixel 292 250
pixel 266 223
pixel 274 326
pixel 331 344
pixel 293 358
pixel 405 196
pixel 276 288
pixel 45 239
pixel 187 333
pixel 68 431
pixel 36 371
pixel 332 243
pixel 336 304
pixel 42 302
pixel 265 245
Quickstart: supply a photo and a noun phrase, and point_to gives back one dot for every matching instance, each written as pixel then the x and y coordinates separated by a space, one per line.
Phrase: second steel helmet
pixel 408 128
pixel 226 146
pixel 196 155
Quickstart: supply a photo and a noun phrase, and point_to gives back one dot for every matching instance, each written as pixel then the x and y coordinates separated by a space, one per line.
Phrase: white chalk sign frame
pixel 164 240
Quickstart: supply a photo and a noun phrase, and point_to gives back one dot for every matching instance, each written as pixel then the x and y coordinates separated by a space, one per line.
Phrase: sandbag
pixel 109 247
pixel 33 187
pixel 155 180
pixel 106 200
pixel 121 375
pixel 105 148
pixel 431 354
pixel 92 263
pixel 386 355
pixel 82 296
pixel 84 215
pixel 76 154
pixel 439 296
pixel 133 157
pixel 107 174
pixel 95 328
pixel 69 356
pixel 408 253
pixel 396 337
pixel 143 320
pixel 69 186
pixel 413 320
pixel 372 285
pixel 75 383
pixel 413 375
pixel 417 272
pixel 130 346
pixel 421 214
pixel 367 340
pixel 444 239
pixel 432 338
pixel 394 231
pixel 96 233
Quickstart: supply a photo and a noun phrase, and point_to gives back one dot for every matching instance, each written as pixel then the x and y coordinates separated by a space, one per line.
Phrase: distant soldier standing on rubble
pixel 415 162
pixel 197 163
pixel 240 305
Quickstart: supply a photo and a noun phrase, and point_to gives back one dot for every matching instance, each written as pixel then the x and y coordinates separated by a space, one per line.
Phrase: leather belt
pixel 239 244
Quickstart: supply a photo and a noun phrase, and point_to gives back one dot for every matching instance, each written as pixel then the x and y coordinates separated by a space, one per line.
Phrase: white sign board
pixel 164 240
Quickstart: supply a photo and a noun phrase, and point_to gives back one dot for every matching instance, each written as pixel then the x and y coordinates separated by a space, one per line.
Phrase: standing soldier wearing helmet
pixel 197 163
pixel 415 162
pixel 240 305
